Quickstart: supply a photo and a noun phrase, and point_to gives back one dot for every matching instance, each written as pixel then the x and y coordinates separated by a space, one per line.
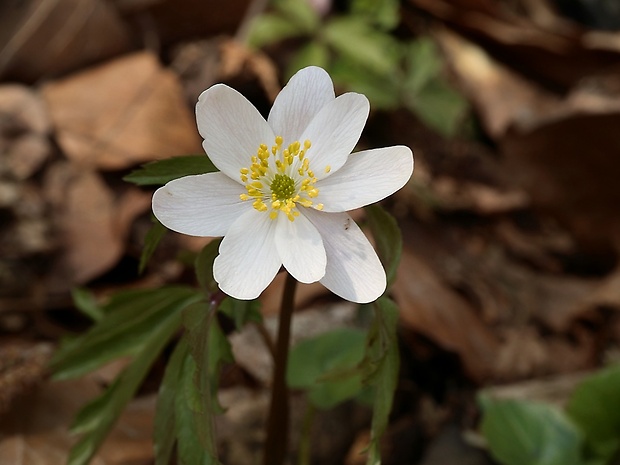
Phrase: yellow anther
pixel 290 217
pixel 307 144
pixel 244 171
pixel 313 193
pixel 319 206
pixel 279 140
pixel 311 174
pixel 328 169
pixel 276 204
pixel 254 159
pixel 306 164
pixel 257 184
pixel 263 147
pixel 244 196
pixel 305 202
pixel 273 214
pixel 244 178
pixel 259 205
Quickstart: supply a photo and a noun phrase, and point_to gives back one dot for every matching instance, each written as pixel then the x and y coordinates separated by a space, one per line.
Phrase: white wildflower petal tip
pixel 367 177
pixel 335 131
pixel 232 128
pixel 309 90
pixel 248 259
pixel 200 205
pixel 353 270
pixel 301 249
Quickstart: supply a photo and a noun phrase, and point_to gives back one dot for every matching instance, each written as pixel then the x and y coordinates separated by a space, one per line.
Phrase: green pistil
pixel 283 187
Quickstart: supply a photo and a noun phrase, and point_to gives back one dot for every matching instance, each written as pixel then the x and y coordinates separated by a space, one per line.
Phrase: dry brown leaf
pixel 35 430
pixel 42 38
pixel 92 222
pixel 430 307
pixel 125 112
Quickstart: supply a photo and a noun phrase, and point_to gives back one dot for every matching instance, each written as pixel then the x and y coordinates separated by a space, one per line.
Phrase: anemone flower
pixel 283 189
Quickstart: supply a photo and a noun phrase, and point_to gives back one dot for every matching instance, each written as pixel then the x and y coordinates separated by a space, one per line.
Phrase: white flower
pixel 283 188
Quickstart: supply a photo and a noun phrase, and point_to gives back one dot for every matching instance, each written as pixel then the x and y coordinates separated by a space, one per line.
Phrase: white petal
pixel 366 177
pixel 301 248
pixel 232 128
pixel 301 99
pixel 248 259
pixel 353 271
pixel 200 205
pixel 334 131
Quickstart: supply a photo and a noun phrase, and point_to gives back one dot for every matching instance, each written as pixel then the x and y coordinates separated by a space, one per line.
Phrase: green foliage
pixel 85 302
pixel 380 369
pixel 521 432
pixel 106 341
pixel 325 367
pixel 128 325
pixel 361 54
pixel 204 267
pixel 151 241
pixel 241 312
pixel 158 173
pixel 388 238
pixel 595 407
pixel 383 13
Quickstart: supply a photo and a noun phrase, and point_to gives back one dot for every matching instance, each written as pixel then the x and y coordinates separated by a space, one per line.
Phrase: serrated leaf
pixel 160 172
pixel 85 301
pixel 521 432
pixel 204 266
pixel 241 311
pixel 382 91
pixel 98 417
pixel 191 447
pixel 151 241
pixel 384 13
pixel 314 53
pixel 388 238
pixel 423 64
pixel 268 28
pixel 440 106
pixel 165 429
pixel 299 13
pixel 595 407
pixel 126 328
pixel 209 349
pixel 357 40
pixel 325 366
pixel 381 364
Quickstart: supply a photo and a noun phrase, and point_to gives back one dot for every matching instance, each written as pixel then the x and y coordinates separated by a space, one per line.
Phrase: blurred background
pixel 511 227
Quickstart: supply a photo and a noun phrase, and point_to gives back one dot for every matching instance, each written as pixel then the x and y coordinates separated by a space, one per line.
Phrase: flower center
pixel 280 179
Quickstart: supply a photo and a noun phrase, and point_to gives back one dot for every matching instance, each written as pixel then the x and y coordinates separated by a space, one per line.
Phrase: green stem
pixel 303 458
pixel 276 444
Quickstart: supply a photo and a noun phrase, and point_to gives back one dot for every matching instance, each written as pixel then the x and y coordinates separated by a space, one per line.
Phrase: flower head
pixel 284 187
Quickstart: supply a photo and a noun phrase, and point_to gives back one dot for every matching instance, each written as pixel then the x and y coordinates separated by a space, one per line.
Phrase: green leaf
pixel 313 53
pixel 427 92
pixel 151 241
pixel 382 91
pixel 97 418
pixel 423 63
pixel 241 311
pixel 388 238
pixel 209 349
pixel 127 326
pixel 299 13
pixel 267 29
pixel 165 430
pixel 325 366
pixel 595 407
pixel 520 432
pixel 190 427
pixel 85 302
pixel 356 39
pixel 384 13
pixel 204 267
pixel 162 171
pixel 440 106
pixel 380 365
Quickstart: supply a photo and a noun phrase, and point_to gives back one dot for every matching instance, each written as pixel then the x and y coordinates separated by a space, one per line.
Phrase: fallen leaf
pixel 122 113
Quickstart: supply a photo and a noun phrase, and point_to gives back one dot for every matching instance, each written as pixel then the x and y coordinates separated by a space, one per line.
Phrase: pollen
pixel 278 179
